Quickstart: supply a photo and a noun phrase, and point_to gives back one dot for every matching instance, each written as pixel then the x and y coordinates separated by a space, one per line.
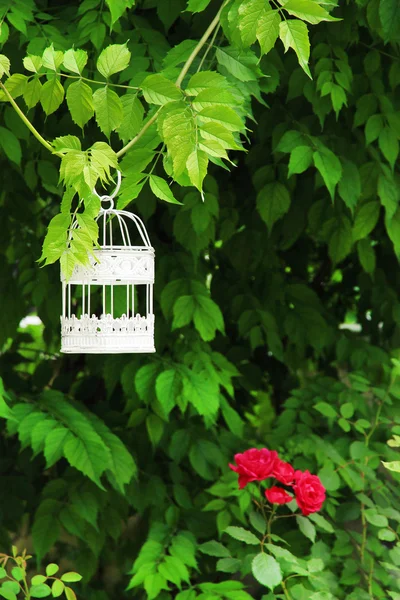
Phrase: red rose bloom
pixel 284 472
pixel 254 465
pixel 309 491
pixel 277 495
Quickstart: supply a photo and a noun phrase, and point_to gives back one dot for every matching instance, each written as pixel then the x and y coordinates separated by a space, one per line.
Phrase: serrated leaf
pixel 52 59
pixel 224 115
pixel 240 63
pixel 306 528
pixel 266 570
pixel 32 63
pixel 205 80
pixel 308 10
pixel 75 60
pixel 214 548
pixel 365 220
pixel 4 65
pixel 294 34
pixel 329 167
pixel 273 201
pixel 300 159
pixel 250 12
pixel 243 535
pixel 196 165
pixel 32 92
pixel 80 102
pixel 51 95
pixel 113 59
pixel 268 30
pixel 161 189
pixel 157 89
pixel 108 110
pixel 132 117
pixel 168 388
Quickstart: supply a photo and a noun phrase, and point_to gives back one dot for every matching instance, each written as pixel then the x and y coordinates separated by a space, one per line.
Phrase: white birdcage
pixel 107 306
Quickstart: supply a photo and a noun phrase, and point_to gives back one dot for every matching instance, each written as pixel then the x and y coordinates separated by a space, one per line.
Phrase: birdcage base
pixel 107 335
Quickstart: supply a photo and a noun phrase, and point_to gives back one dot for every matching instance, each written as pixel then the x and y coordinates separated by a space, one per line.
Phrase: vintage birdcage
pixel 107 306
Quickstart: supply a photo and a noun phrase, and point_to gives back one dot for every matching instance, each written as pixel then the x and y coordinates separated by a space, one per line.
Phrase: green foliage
pixel 277 237
pixel 16 583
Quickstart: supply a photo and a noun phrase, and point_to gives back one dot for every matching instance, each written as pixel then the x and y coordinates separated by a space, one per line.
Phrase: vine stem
pixel 27 122
pixel 214 23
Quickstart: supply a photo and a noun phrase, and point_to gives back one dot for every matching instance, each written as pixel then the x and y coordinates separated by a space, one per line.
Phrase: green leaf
pixel 87 455
pixel 214 548
pixel 388 191
pixel 329 167
pixel 268 30
pixel 38 579
pixel 51 95
pixel 213 98
pixel 8 595
pixel 32 63
pixel 69 593
pixel 113 59
pixel 347 410
pixel 294 34
pixel 18 573
pixel 273 201
pixel 52 59
pixel 301 158
pixel 57 589
pixel 80 102
pixel 70 577
pixel 250 12
pixel 258 522
pixel 168 388
pixel 155 429
pixel 223 115
pixel 389 14
pixel 108 110
pixel 10 145
pixel 52 569
pixel 196 165
pixel 132 117
pixel 205 80
pixel 373 128
pixel 197 5
pixel 118 8
pixel 366 255
pixel 341 239
pixel 40 591
pixel 308 10
pixel 239 63
pixel 202 392
pixel 157 89
pixel 374 518
pixel 366 218
pixel 389 145
pixel 75 61
pixel 32 93
pixel 350 185
pixel 306 528
pixel 45 532
pixel 326 409
pixel 321 522
pixel 161 189
pixel 243 535
pixel 4 66
pixel 266 570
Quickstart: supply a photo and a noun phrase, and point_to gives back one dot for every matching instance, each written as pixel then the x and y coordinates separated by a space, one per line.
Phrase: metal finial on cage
pixel 107 306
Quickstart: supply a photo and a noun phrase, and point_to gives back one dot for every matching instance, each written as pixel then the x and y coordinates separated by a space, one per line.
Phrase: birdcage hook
pixel 109 197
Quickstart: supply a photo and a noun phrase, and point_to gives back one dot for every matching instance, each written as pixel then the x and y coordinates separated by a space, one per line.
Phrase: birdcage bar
pixel 116 262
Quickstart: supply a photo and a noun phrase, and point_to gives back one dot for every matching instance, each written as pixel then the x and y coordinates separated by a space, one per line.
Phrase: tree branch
pixel 27 122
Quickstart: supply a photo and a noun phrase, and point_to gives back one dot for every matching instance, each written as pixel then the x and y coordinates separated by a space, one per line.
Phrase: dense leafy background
pixel 277 311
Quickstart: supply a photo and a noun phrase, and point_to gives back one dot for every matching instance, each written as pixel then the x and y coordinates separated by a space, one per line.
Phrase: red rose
pixel 277 495
pixel 254 465
pixel 284 472
pixel 309 491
